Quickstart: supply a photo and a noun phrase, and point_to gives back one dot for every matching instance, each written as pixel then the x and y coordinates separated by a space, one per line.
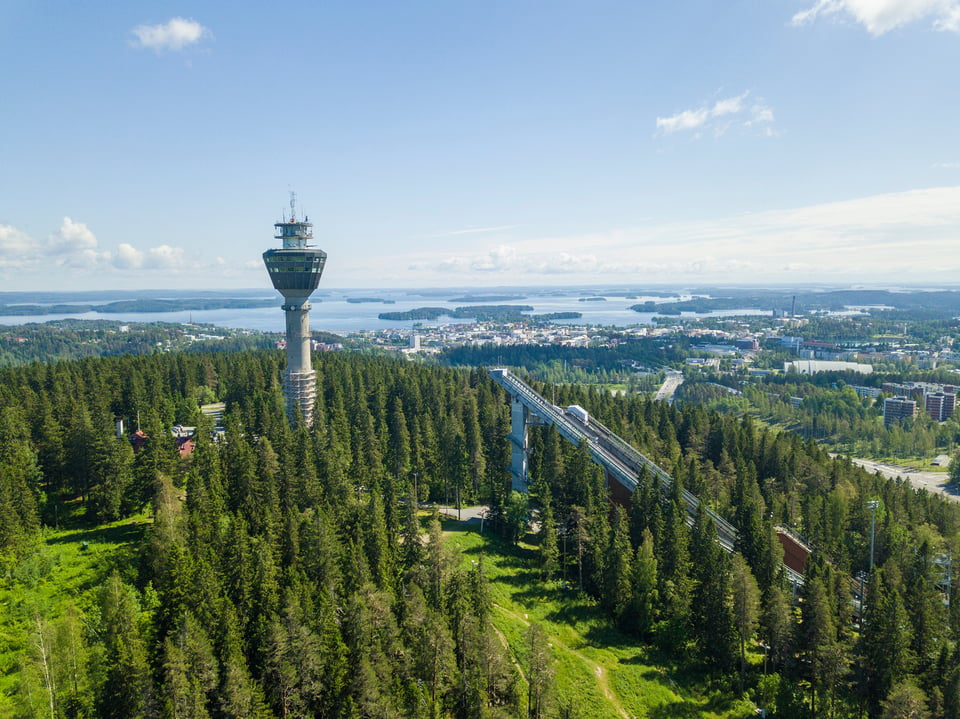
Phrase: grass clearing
pixel 59 571
pixel 600 673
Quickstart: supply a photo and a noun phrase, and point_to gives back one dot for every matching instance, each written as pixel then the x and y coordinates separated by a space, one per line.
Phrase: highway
pixel 673 380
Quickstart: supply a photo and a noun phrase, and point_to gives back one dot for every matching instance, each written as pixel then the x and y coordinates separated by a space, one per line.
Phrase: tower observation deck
pixel 295 271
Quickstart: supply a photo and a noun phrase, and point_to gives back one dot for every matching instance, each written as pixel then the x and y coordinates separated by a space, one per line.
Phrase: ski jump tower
pixel 295 271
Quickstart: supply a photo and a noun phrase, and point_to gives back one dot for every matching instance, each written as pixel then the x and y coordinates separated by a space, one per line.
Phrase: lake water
pixel 333 313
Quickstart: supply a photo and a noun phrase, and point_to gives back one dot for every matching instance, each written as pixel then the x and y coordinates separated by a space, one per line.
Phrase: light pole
pixel 873 504
pixel 861 575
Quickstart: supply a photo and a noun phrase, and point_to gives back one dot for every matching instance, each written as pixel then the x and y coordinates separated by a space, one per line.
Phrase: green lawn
pixel 60 571
pixel 600 672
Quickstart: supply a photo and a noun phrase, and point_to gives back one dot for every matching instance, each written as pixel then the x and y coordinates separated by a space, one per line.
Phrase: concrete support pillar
pixel 519 445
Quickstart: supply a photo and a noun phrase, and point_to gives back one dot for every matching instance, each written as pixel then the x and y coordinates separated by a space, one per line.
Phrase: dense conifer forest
pixel 281 572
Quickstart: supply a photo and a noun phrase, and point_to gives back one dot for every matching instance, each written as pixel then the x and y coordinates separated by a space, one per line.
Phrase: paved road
pixel 673 380
pixel 466 513
pixel 931 481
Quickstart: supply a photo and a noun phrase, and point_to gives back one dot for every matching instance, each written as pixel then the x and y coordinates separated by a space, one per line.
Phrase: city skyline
pixel 443 145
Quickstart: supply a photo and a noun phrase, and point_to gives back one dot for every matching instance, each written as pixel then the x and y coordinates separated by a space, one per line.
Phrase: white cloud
pixel 86 259
pixel 760 114
pixel 478 230
pixel 15 246
pixel 881 16
pixel 501 257
pixel 565 263
pixel 72 237
pixel 719 116
pixel 73 251
pixel 176 34
pixel 686 120
pixel 74 245
pixel 164 257
pixel 730 106
pixel 897 237
pixel 506 259
pixel 128 257
pixel 949 20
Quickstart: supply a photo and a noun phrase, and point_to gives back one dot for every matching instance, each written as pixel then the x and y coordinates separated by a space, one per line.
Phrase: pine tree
pixel 110 495
pixel 411 552
pixel 127 691
pixel 72 667
pixel 645 598
pixel 379 556
pixel 926 609
pixel 951 691
pixel 190 671
pixel 746 603
pixel 905 701
pixel 597 557
pixel 618 584
pixel 429 638
pixel 886 638
pixel 295 668
pixel 817 640
pixel 749 505
pixel 398 446
pixel 777 626
pixel 711 616
pixel 473 440
pixel 549 549
pixel 577 479
pixel 576 531
pixel 19 486
pixel 639 508
pixel 516 519
pixel 550 471
pixel 673 561
pixel 238 695
pixel 769 570
pixel 539 674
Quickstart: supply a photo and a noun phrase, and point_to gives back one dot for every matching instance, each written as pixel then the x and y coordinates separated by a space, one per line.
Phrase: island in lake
pixel 420 313
pixel 480 313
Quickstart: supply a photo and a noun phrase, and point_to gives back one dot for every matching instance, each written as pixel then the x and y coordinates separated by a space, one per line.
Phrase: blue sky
pixel 153 145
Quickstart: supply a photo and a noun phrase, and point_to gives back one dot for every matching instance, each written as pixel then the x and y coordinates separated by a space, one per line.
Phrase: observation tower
pixel 295 271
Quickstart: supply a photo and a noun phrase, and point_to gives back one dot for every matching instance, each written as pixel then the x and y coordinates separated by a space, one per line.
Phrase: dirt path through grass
pixel 506 645
pixel 595 668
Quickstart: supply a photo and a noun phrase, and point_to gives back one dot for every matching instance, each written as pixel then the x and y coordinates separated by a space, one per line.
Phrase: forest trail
pixel 506 645
pixel 595 668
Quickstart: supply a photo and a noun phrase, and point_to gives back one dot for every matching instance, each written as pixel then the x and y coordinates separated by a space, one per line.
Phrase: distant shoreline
pixel 138 305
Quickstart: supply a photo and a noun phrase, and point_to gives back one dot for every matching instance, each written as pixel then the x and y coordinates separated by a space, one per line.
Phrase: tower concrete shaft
pixel 295 271
pixel 299 379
